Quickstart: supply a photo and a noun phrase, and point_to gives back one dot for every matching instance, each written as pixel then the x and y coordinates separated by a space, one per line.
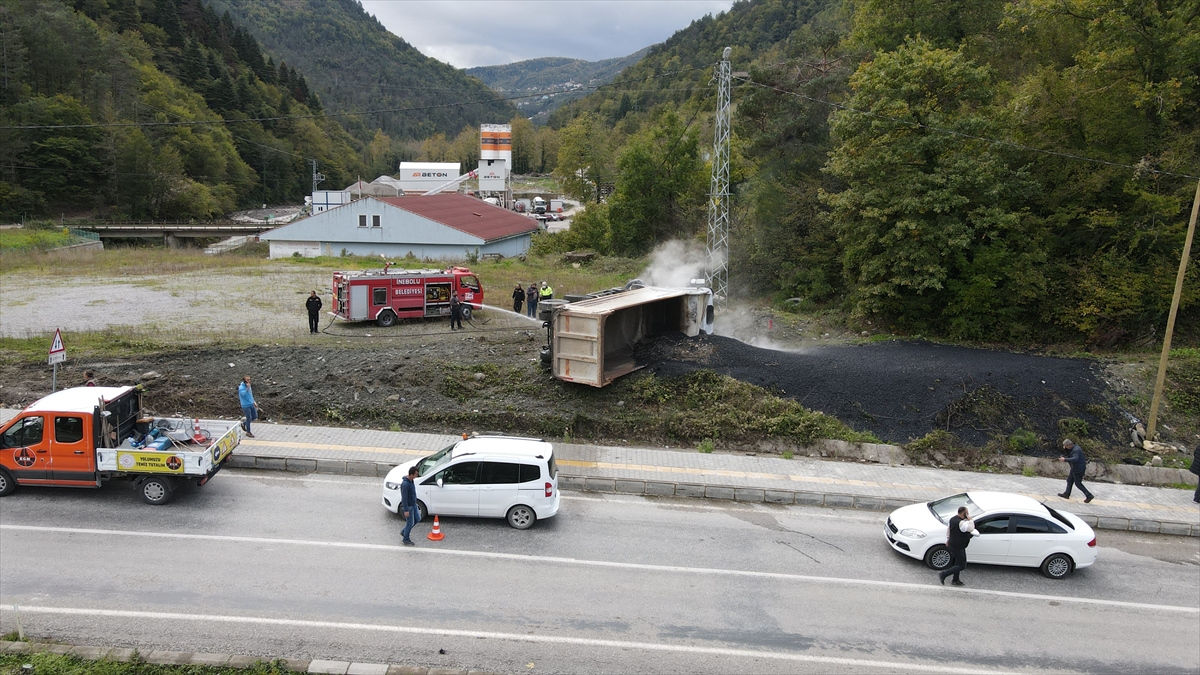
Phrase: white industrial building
pixel 446 226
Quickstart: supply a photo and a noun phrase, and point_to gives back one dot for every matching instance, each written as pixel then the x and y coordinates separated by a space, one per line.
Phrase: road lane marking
pixel 493 635
pixel 926 588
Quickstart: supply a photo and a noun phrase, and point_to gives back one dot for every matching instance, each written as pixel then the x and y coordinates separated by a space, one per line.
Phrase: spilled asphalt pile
pixel 902 390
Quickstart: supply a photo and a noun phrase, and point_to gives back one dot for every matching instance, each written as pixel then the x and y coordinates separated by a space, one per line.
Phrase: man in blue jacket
pixel 249 407
pixel 408 504
pixel 1078 465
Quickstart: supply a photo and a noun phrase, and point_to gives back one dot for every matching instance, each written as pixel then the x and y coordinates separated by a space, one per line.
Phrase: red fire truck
pixel 383 296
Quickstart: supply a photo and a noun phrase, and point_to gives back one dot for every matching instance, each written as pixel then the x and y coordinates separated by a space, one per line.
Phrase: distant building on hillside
pixel 438 227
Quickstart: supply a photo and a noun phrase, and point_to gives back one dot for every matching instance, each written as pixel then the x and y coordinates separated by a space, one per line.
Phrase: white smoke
pixel 675 263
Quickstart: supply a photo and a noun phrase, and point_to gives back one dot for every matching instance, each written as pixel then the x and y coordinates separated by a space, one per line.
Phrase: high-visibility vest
pixel 546 292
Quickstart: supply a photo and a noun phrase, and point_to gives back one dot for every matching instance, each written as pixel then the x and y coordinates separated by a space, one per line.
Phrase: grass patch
pixel 1028 472
pixel 61 664
pixel 704 405
pixel 24 240
pixel 706 446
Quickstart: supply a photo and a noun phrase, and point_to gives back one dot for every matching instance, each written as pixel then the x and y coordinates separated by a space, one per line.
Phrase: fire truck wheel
pixel 466 312
pixel 7 484
pixel 386 319
pixel 155 491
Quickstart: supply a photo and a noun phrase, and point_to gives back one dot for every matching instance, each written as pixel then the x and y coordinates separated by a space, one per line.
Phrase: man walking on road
pixel 408 505
pixel 958 537
pixel 1195 468
pixel 249 407
pixel 313 305
pixel 1078 467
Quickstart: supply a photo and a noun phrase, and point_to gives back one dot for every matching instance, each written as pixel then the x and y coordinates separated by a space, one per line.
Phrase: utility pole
pixel 317 178
pixel 718 198
pixel 1166 348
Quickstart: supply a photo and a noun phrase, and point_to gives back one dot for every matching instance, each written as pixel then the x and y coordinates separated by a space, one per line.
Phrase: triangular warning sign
pixel 57 345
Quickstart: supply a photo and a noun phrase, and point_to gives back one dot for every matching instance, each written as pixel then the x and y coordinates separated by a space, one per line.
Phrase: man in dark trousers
pixel 1078 465
pixel 958 537
pixel 531 301
pixel 408 505
pixel 313 305
pixel 518 298
pixel 1195 468
pixel 455 311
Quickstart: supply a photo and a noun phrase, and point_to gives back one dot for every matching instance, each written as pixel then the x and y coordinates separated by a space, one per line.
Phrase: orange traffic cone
pixel 197 435
pixel 436 533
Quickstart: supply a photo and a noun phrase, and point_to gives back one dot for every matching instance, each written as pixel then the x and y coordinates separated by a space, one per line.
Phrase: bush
pixel 1021 441
pixel 706 446
pixel 1073 428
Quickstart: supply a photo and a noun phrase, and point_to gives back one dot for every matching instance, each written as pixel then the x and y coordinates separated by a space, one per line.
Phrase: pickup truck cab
pixel 86 436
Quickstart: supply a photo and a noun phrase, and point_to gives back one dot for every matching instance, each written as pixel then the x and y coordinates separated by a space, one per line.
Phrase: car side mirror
pixel 439 482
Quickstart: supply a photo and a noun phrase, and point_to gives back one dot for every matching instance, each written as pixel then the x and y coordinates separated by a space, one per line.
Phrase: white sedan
pixel 1013 530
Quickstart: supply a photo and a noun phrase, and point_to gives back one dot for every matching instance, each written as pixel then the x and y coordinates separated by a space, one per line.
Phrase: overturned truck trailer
pixel 591 340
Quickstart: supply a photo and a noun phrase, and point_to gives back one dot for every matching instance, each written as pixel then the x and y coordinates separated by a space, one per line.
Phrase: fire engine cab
pixel 386 295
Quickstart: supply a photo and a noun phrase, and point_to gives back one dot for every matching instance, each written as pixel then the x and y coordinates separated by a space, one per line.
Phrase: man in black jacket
pixel 958 537
pixel 1078 466
pixel 313 305
pixel 1195 468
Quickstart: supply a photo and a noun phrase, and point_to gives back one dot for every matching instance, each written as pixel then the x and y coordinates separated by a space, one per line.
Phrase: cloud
pixel 468 33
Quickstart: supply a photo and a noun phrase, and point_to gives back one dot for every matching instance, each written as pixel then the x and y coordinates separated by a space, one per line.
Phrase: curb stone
pixel 87 653
pixel 746 493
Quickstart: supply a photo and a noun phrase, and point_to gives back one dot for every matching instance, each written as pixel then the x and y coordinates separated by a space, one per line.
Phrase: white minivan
pixel 485 477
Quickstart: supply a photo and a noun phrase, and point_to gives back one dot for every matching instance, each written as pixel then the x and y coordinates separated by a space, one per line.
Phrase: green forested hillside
pixel 555 80
pixel 152 109
pixel 1010 170
pixel 355 64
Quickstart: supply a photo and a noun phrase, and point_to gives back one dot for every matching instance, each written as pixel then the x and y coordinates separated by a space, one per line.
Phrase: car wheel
pixel 521 517
pixel 466 312
pixel 7 484
pixel 422 512
pixel 156 491
pixel 1058 566
pixel 386 319
pixel 939 557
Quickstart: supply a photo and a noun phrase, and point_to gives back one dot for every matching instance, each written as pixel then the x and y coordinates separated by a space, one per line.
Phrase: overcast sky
pixel 469 33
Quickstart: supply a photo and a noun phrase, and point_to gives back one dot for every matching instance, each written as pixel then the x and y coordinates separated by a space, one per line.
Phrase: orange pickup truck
pixel 87 436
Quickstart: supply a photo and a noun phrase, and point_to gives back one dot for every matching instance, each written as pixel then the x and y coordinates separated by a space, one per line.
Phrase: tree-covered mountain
pixel 554 80
pixel 152 109
pixel 355 64
pixel 1009 170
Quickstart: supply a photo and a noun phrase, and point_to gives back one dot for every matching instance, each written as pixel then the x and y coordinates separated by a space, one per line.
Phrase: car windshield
pixel 435 460
pixel 948 506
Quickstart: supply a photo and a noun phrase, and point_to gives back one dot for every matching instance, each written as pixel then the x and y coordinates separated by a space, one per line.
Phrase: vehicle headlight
pixel 392 486
pixel 912 533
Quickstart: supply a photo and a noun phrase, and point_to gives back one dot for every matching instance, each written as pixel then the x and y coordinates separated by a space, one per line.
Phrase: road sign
pixel 58 352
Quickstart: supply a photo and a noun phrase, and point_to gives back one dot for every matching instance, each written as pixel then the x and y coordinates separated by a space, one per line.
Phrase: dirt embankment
pixel 421 376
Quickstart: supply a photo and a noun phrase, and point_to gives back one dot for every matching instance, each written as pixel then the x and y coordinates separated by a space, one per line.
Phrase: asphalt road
pixel 278 565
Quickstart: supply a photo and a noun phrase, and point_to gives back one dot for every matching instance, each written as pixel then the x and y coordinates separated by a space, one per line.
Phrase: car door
pixel 27 449
pixel 1032 540
pixel 72 457
pixel 991 546
pixel 458 494
pixel 498 488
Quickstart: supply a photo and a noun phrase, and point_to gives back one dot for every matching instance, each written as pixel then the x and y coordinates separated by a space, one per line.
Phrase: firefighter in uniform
pixel 313 305
pixel 455 312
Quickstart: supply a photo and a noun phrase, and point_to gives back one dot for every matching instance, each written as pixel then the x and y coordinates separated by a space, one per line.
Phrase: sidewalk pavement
pixel 734 476
pixel 740 477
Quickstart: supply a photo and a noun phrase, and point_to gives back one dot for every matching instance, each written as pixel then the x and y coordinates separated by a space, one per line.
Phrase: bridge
pixel 173 232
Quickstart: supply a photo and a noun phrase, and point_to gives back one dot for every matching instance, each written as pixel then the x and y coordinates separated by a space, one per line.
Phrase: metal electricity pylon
pixel 718 198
